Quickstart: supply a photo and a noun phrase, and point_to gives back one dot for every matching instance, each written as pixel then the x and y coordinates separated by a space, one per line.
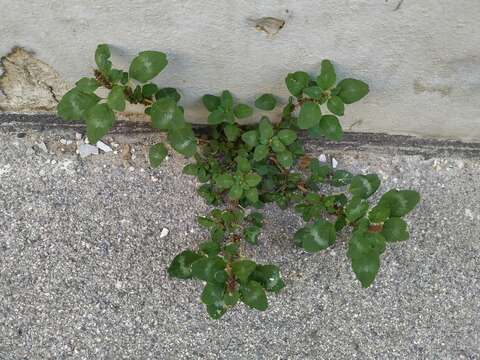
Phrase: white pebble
pixel 164 233
pixel 104 147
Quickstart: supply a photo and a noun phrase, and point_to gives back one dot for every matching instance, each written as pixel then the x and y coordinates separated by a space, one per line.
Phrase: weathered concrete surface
pixel 82 266
pixel 419 57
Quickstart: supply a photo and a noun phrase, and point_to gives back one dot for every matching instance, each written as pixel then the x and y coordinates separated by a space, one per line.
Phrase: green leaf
pixel 149 90
pixel 212 293
pixel 243 165
pixel 356 208
pixel 330 127
pixel 166 115
pixel 75 104
pixel 250 137
pixel 266 102
pixel 242 111
pixel 366 268
pixel 252 195
pixel 242 269
pixel 277 145
pixel 253 295
pixel 316 237
pixel 395 229
pixel 315 92
pixel 157 154
pixel 336 106
pixel 226 100
pixel 206 267
pixel 211 248
pixel 99 120
pixel 181 264
pixel 251 234
pixel 190 169
pixel 364 243
pixel 327 76
pixel 224 181
pixel 364 185
pixel 260 153
pixel 296 82
pixel 206 222
pixel 400 202
pixel 146 65
pixel 285 158
pixel 318 169
pixel 287 136
pixel 231 299
pixel 232 132
pixel 235 192
pixel 183 140
pixel 341 178
pixel 87 85
pixel 211 102
pixel 252 179
pixel 116 98
pixel 309 116
pixel 269 277
pixel 216 117
pixel 167 92
pixel 379 213
pixel 352 90
pixel 265 130
pixel 102 56
pixel 216 311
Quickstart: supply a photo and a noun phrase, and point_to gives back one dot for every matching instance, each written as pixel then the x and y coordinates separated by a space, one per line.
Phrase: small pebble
pixel 164 233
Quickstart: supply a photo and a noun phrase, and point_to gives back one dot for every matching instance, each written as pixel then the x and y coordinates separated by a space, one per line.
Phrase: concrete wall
pixel 420 57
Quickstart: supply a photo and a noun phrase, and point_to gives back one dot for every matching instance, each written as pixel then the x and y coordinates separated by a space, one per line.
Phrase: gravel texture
pixel 82 264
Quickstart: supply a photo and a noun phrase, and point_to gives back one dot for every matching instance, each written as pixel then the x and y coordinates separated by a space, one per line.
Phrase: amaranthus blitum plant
pixel 242 167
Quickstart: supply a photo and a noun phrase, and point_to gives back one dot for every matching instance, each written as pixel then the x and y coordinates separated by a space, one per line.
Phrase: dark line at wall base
pixel 401 144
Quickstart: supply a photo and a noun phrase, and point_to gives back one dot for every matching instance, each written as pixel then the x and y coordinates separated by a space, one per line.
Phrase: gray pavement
pixel 82 264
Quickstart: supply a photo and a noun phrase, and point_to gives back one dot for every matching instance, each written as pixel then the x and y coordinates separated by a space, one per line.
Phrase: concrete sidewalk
pixel 82 264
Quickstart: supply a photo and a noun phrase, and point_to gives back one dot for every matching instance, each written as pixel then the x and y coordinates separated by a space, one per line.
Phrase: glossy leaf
pixel 296 82
pixel 156 154
pixel 400 202
pixel 181 266
pixel 99 120
pixel 242 111
pixel 165 113
pixel 146 65
pixel 116 98
pixel 327 77
pixel 330 127
pixel 269 277
pixel 75 103
pixel 102 56
pixel 356 208
pixel 395 229
pixel 364 185
pixel 266 102
pixel 211 102
pixel 242 269
pixel 352 90
pixel 253 295
pixel 316 237
pixel 309 116
pixel 336 106
pixel 87 85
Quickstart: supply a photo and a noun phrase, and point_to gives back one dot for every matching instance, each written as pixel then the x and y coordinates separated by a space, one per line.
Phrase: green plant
pixel 242 167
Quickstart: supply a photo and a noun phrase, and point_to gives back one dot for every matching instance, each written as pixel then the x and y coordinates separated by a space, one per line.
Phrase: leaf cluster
pixel 240 168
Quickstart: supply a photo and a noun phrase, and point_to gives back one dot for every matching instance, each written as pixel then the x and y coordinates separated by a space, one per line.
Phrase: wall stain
pixel 269 25
pixel 28 84
pixel 420 87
